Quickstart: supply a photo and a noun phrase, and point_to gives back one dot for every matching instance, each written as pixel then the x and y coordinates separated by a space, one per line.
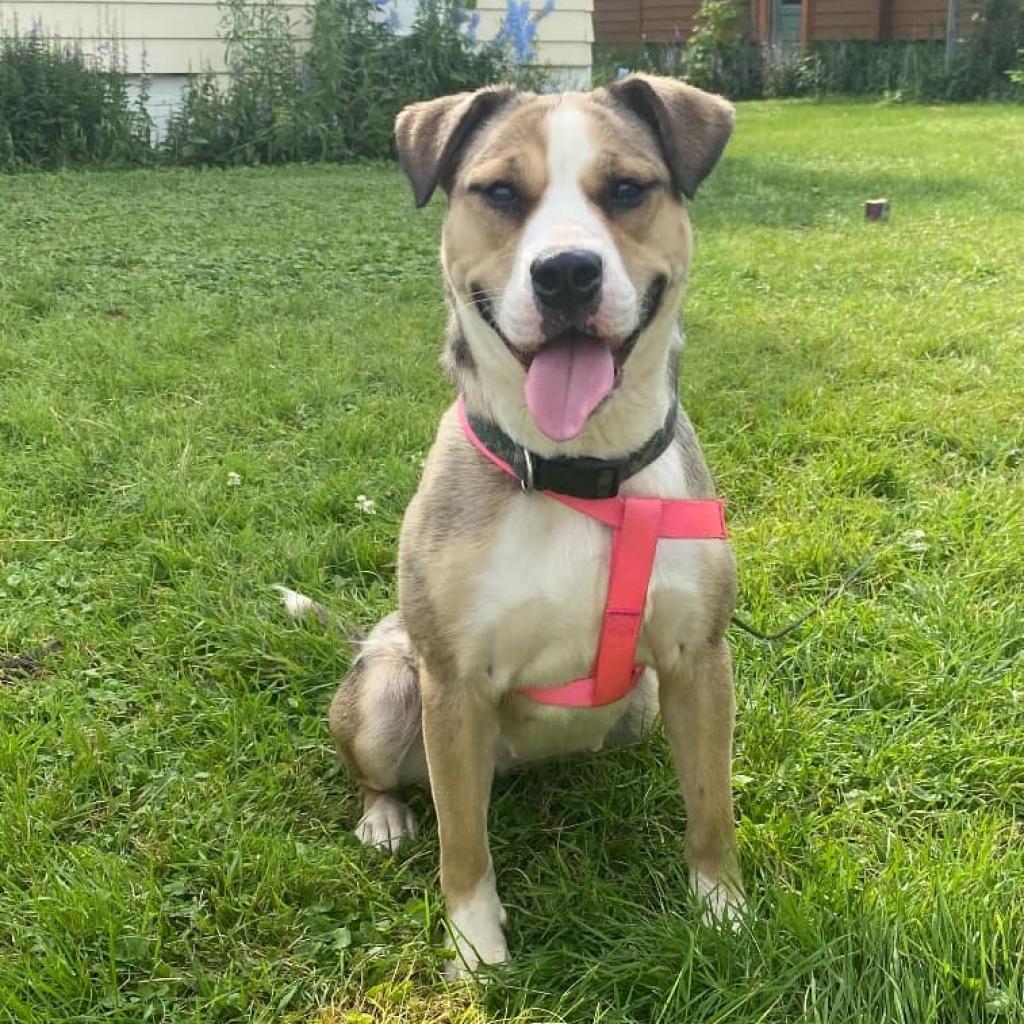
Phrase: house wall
pixel 668 21
pixel 617 21
pixel 883 20
pixel 169 39
pixel 921 19
pixel 631 22
pixel 827 20
pixel 627 22
pixel 564 41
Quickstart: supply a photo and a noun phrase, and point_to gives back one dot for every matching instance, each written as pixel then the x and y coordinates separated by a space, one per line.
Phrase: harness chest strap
pixel 637 524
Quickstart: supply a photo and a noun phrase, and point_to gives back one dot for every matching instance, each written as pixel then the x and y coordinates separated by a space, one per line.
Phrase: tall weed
pixel 59 108
pixel 338 99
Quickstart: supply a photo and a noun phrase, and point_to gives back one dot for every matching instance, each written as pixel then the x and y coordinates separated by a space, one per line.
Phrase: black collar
pixel 577 477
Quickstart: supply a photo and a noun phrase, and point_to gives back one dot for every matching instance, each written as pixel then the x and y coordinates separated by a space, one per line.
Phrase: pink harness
pixel 637 524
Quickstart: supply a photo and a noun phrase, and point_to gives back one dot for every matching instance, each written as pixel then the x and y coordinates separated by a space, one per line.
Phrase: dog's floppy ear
pixel 430 136
pixel 693 126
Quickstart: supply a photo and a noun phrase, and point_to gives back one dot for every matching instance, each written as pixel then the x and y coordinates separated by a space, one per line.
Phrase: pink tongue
pixel 565 383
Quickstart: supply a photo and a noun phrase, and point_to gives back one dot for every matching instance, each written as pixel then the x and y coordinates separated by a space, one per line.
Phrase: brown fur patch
pixel 479 242
pixel 691 126
pixel 430 136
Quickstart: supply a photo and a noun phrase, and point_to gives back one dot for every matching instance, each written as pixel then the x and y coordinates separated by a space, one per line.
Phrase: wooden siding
pixel 617 21
pixel 918 19
pixel 652 21
pixel 827 20
pixel 631 22
pixel 668 21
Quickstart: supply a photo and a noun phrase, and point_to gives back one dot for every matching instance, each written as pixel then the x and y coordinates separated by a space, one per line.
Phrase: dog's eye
pixel 626 193
pixel 501 195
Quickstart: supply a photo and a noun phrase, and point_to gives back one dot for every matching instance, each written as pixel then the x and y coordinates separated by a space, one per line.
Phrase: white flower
pixel 234 479
pixel 366 505
pixel 915 540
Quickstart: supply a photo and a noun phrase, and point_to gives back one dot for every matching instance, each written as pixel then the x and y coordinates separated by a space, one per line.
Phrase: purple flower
pixel 519 29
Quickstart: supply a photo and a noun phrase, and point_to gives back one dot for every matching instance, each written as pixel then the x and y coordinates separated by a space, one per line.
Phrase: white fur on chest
pixel 539 602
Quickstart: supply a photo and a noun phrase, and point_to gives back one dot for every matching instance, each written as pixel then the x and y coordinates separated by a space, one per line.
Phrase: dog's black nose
pixel 567 280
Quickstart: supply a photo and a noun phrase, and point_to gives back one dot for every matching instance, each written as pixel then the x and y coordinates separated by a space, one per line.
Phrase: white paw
pixel 297 605
pixel 719 902
pixel 475 932
pixel 386 824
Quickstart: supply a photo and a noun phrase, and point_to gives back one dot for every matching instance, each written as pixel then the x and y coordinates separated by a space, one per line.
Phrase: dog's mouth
pixel 572 373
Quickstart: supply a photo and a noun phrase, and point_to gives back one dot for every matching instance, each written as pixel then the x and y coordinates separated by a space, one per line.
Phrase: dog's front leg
pixel 460 730
pixel 696 697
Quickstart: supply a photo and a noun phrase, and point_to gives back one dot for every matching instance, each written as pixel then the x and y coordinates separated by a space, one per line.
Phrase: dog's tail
pixel 300 607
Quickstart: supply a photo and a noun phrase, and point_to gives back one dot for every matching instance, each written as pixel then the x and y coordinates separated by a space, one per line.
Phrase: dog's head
pixel 566 243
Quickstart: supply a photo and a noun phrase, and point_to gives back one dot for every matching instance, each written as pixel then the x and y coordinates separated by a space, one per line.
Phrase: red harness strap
pixel 637 525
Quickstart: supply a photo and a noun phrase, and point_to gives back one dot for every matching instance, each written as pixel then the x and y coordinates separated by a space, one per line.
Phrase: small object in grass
pixel 28 663
pixel 234 479
pixel 366 505
pixel 876 209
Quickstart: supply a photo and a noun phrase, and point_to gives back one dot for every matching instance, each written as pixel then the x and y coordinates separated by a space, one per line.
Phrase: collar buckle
pixel 579 477
pixel 526 480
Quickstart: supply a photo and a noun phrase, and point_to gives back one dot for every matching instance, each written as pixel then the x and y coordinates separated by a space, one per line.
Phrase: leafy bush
pixel 989 51
pixel 909 71
pixel 712 56
pixel 791 72
pixel 338 101
pixel 717 56
pixel 987 64
pixel 335 99
pixel 1016 74
pixel 57 108
pixel 256 118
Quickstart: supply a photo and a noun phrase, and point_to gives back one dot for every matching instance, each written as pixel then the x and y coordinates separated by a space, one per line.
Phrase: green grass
pixel 175 839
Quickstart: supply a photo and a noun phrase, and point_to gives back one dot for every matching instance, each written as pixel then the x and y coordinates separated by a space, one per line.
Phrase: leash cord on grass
pixel 771 638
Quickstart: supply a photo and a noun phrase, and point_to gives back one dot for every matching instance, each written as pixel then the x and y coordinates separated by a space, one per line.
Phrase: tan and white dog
pixel 565 252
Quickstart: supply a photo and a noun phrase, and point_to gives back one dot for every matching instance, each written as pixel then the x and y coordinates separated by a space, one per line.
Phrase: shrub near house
pixel 725 52
pixel 334 100
pixel 337 99
pixel 58 109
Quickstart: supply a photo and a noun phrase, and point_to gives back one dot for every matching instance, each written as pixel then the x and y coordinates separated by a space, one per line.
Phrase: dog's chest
pixel 536 617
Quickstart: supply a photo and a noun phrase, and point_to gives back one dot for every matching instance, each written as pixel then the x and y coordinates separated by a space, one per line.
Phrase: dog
pixel 565 251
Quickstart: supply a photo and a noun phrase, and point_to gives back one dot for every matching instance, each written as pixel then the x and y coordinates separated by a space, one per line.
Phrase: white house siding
pixel 170 39
pixel 564 40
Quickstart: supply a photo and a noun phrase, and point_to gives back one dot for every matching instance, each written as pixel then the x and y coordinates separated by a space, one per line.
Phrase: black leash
pixel 815 608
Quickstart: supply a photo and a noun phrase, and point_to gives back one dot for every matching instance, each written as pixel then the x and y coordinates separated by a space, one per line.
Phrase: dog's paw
pixel 476 933
pixel 386 825
pixel 719 902
pixel 298 606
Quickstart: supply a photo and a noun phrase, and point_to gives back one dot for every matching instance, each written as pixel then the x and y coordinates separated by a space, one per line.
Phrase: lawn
pixel 200 373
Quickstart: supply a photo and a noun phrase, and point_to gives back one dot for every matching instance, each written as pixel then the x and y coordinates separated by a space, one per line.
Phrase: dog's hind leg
pixel 375 720
pixel 634 725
